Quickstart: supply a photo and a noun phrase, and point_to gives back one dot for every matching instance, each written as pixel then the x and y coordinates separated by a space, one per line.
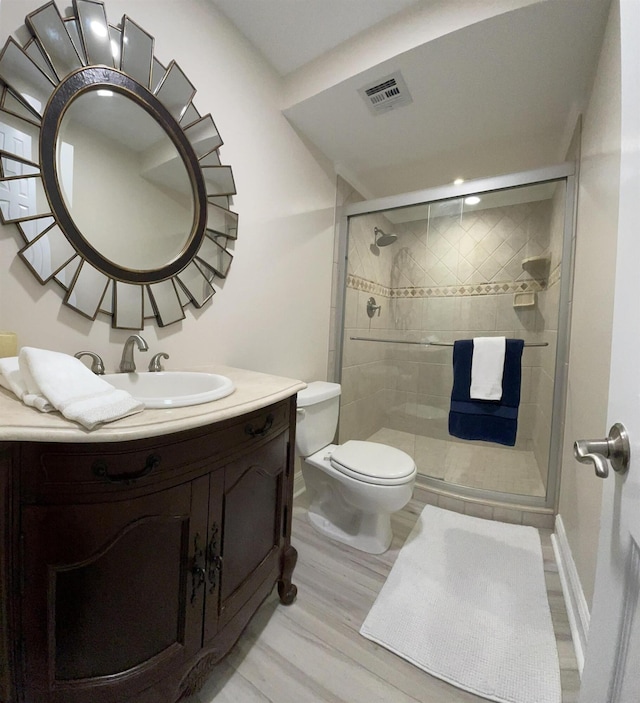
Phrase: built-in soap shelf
pixel 537 266
pixel 525 299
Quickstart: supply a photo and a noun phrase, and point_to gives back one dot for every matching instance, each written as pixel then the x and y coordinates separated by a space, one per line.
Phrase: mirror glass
pixel 109 144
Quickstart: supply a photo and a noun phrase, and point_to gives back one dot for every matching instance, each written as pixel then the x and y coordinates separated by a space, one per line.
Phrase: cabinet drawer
pixel 61 472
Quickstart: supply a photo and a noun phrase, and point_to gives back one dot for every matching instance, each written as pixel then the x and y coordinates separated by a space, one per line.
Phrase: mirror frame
pixel 93 283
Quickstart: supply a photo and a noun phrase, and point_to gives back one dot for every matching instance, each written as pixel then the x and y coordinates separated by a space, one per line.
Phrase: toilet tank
pixel 317 416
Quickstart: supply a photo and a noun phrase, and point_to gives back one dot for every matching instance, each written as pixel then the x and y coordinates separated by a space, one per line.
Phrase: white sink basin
pixel 172 389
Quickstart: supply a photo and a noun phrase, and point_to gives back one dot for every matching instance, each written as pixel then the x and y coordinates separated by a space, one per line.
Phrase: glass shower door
pixel 483 265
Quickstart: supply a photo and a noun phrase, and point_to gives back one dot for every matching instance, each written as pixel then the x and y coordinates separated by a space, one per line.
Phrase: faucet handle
pixel 156 362
pixel 97 365
pixel 372 307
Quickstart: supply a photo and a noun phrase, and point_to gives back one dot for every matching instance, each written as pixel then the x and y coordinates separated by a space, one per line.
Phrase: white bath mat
pixel 466 601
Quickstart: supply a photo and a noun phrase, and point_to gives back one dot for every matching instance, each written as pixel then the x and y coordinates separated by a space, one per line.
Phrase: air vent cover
pixel 386 94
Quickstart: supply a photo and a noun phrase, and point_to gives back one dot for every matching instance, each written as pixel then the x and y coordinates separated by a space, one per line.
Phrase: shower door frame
pixel 561 172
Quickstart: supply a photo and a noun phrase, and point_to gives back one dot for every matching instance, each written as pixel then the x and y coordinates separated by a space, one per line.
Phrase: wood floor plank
pixel 312 651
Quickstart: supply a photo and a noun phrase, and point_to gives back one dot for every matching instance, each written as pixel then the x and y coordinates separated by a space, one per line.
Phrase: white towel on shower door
pixel 487 366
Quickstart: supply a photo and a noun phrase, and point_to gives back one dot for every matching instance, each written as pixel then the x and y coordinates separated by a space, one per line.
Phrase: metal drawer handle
pixel 101 470
pixel 263 430
pixel 198 574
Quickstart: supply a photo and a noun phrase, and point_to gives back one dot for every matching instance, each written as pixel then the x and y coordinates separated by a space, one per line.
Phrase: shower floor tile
pixel 474 466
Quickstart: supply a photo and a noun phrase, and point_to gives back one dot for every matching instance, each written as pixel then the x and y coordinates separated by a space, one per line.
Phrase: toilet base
pixel 367 532
pixel 351 511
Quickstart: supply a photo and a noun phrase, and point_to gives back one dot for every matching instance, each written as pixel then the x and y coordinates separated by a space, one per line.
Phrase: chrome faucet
pixel 97 366
pixel 127 364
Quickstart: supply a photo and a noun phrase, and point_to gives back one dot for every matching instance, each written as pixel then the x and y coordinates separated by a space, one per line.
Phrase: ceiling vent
pixel 386 94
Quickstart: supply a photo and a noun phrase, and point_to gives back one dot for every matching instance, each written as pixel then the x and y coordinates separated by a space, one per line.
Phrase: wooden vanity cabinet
pixel 129 569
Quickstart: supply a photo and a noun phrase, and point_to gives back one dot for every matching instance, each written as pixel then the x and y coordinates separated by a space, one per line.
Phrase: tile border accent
pixel 500 288
pixel 363 284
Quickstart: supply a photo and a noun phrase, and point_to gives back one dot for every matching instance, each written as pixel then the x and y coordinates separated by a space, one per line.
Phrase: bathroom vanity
pixel 133 556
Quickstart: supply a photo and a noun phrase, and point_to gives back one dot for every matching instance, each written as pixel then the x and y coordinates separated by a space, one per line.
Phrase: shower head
pixel 384 239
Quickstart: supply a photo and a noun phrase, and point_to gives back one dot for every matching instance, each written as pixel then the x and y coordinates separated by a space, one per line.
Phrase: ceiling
pixel 495 86
pixel 290 33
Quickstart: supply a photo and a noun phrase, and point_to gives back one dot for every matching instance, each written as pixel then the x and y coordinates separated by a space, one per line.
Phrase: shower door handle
pixel 615 448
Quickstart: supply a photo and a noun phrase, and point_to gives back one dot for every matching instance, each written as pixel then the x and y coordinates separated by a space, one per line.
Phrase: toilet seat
pixel 373 463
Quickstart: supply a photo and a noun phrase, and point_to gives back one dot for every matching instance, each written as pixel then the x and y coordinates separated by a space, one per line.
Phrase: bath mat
pixel 466 601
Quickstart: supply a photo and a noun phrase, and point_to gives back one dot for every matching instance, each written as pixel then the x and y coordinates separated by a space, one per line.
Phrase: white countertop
pixel 254 390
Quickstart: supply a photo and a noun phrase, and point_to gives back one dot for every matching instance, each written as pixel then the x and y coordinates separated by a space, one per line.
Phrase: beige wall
pixel 266 316
pixel 592 306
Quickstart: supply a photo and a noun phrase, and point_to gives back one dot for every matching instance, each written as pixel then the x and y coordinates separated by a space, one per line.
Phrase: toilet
pixel 354 487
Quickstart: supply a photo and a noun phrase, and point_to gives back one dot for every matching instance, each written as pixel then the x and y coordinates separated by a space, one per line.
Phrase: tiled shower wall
pixel 450 277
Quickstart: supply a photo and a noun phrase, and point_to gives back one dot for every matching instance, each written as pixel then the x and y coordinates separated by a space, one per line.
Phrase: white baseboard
pixel 576 603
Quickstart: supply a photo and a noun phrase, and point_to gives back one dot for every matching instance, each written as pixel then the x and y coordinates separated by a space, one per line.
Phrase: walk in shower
pixel 486 258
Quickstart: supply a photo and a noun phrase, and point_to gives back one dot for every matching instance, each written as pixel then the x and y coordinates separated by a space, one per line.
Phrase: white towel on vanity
pixel 72 389
pixel 487 366
pixel 11 379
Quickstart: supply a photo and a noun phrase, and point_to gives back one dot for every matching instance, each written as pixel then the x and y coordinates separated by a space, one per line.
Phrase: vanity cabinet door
pixel 113 593
pixel 252 528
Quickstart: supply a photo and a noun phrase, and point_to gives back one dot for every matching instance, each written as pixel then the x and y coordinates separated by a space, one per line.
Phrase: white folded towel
pixel 72 389
pixel 11 379
pixel 487 366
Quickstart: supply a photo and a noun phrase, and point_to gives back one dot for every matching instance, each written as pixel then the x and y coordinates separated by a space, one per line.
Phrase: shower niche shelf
pixel 525 299
pixel 537 266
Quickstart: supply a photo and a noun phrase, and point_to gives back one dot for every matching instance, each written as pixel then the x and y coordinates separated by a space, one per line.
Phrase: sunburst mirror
pixel 111 174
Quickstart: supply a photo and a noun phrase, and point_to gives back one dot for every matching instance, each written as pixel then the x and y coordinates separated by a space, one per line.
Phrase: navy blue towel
pixel 488 420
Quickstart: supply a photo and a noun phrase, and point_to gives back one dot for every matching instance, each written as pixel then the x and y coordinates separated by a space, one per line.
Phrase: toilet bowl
pixel 355 487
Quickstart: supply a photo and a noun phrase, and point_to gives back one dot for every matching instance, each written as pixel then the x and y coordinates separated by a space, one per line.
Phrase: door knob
pixel 614 448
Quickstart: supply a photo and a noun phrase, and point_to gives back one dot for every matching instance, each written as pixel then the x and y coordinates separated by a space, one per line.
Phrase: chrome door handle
pixel 614 448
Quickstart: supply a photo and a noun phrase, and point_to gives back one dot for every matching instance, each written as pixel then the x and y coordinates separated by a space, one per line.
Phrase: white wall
pixel 272 313
pixel 592 306
pixel 386 40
